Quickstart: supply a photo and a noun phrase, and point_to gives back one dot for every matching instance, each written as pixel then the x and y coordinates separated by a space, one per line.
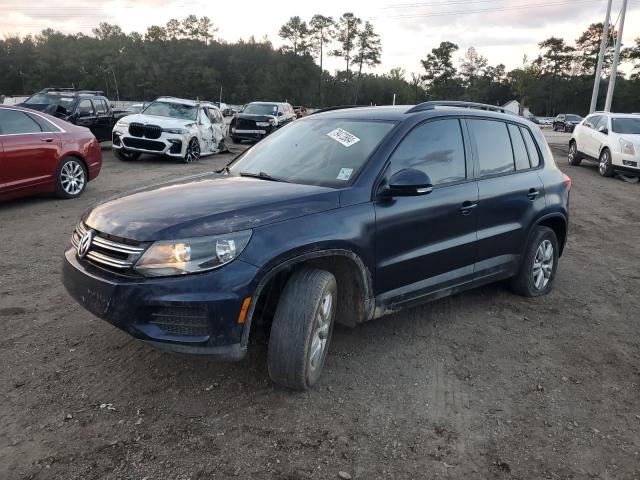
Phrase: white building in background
pixel 515 107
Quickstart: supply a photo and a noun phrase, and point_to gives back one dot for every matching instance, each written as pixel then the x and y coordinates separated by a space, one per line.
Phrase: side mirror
pixel 280 114
pixel 408 183
pixel 603 129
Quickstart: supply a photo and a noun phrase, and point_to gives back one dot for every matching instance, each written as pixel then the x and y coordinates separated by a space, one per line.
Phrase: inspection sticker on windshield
pixel 342 136
pixel 345 174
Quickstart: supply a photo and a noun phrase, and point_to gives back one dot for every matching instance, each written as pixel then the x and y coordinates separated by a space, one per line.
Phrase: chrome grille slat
pixel 123 257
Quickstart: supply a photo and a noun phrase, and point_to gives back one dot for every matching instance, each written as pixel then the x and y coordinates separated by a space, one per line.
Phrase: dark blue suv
pixel 345 215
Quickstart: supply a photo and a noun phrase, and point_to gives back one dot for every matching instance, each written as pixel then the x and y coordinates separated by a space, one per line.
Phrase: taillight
pixel 566 179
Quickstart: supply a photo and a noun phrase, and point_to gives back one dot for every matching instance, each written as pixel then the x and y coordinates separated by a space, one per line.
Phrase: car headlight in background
pixel 192 255
pixel 627 147
pixel 262 124
pixel 178 131
pixel 120 123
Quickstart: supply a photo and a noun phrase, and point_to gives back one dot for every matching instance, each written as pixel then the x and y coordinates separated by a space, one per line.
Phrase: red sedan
pixel 42 154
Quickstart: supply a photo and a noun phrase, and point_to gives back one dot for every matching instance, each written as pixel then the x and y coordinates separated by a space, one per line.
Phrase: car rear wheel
pixel 126 155
pixel 301 329
pixel 574 157
pixel 193 151
pixel 539 264
pixel 236 139
pixel 71 178
pixel 605 167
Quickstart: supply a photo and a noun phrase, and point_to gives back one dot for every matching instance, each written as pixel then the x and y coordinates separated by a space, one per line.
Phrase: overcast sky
pixel 501 30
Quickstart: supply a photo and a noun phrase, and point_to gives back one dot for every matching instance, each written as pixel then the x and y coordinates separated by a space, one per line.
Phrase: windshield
pixel 173 110
pixel 325 152
pixel 573 118
pixel 49 99
pixel 261 109
pixel 630 126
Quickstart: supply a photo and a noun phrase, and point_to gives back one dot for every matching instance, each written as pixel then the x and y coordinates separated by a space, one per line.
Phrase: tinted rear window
pixel 494 146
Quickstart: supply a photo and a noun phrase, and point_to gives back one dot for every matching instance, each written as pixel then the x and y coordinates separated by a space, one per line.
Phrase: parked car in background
pixel 300 111
pixel 566 122
pixel 175 127
pixel 42 154
pixel 259 119
pixel 135 108
pixel 344 216
pixel 611 139
pixel 85 108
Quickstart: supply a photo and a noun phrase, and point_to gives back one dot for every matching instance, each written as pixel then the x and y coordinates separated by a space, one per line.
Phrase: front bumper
pixel 625 162
pixel 253 133
pixel 191 314
pixel 173 145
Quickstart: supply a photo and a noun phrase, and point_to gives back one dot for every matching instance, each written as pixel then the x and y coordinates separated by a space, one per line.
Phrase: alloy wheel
pixel 321 329
pixel 72 178
pixel 603 166
pixel 542 265
pixel 193 151
pixel 573 149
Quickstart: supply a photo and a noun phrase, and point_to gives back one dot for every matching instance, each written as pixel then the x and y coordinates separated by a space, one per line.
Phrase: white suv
pixel 611 139
pixel 179 128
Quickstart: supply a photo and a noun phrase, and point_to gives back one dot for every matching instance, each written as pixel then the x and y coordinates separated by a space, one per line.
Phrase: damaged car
pixel 174 127
pixel 259 119
pixel 343 216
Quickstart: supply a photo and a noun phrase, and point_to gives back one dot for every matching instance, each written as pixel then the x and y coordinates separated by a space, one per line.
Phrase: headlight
pixel 627 147
pixel 178 131
pixel 192 255
pixel 262 124
pixel 120 123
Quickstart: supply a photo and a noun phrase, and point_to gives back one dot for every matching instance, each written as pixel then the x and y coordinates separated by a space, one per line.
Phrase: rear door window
pixel 436 148
pixel 534 155
pixel 493 146
pixel 519 149
pixel 13 122
pixel 85 108
pixel 100 106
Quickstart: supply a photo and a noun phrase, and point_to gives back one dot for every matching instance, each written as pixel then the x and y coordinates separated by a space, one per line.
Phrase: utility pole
pixel 616 59
pixel 603 48
pixel 220 102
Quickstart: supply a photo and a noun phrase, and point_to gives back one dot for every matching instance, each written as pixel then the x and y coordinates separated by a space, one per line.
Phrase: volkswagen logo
pixel 85 243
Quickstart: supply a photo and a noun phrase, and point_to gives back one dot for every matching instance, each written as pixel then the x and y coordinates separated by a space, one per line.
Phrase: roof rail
pixel 337 107
pixel 57 89
pixel 92 92
pixel 453 103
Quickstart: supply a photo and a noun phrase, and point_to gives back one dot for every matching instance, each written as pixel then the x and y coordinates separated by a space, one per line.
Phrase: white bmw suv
pixel 611 139
pixel 178 128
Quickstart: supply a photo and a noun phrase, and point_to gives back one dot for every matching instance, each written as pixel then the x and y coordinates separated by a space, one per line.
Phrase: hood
pixel 256 118
pixel 165 122
pixel 207 204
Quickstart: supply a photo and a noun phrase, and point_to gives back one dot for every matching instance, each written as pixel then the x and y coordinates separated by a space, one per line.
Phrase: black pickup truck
pixel 87 108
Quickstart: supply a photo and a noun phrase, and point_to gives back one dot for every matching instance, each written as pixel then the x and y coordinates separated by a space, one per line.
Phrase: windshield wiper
pixel 264 176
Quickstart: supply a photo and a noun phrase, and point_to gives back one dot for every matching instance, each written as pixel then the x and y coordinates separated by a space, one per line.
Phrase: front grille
pixel 107 252
pixel 184 321
pixel 144 144
pixel 142 130
pixel 244 124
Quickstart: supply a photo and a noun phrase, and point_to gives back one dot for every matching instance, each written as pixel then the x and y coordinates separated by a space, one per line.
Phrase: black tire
pixel 605 165
pixel 126 155
pixel 236 139
pixel 574 157
pixel 71 178
pixel 192 153
pixel 555 129
pixel 524 283
pixel 297 325
pixel 565 129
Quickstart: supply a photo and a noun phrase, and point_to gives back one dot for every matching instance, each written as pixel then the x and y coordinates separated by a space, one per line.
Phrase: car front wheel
pixel 193 151
pixel 301 329
pixel 539 264
pixel 71 178
pixel 126 155
pixel 574 157
pixel 605 167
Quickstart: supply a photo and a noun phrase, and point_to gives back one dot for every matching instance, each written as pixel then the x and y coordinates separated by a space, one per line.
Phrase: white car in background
pixel 611 139
pixel 175 127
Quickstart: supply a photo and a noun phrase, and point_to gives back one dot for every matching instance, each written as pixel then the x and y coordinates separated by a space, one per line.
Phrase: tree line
pixel 184 58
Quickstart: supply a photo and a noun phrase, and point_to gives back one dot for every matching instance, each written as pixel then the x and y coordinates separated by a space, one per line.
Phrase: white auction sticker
pixel 342 136
pixel 345 174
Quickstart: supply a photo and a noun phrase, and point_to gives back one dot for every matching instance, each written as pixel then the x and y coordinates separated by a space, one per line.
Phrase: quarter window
pixel 100 106
pixel 436 148
pixel 45 125
pixel 13 122
pixel 495 155
pixel 519 149
pixel 534 155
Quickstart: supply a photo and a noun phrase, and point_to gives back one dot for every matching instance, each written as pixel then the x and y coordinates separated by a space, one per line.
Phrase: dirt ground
pixel 481 385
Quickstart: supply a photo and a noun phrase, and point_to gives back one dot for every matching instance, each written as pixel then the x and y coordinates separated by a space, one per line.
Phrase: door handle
pixel 533 194
pixel 48 139
pixel 467 207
